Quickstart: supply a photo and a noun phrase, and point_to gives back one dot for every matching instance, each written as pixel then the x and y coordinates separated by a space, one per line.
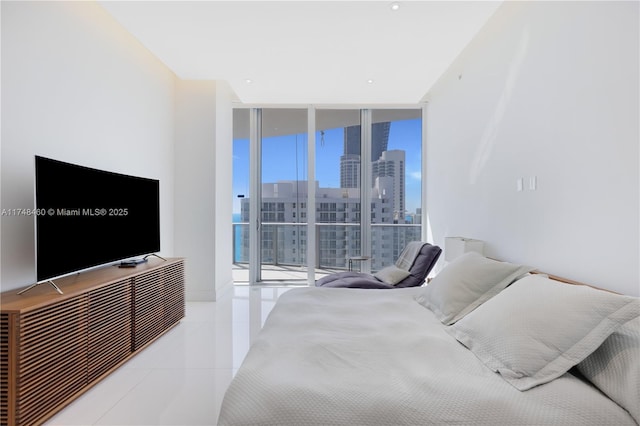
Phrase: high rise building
pixel 379 139
pixel 350 160
pixel 350 171
pixel 387 173
pixel 284 216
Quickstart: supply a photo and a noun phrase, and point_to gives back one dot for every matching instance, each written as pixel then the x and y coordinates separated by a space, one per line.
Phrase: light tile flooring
pixel 181 378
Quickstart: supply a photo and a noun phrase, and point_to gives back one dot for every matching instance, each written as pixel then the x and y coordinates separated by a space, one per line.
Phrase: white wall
pixel 547 89
pixel 203 145
pixel 77 87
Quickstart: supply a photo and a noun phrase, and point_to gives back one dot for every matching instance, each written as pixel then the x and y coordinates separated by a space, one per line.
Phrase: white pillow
pixel 465 284
pixel 391 274
pixel 537 329
pixel 614 367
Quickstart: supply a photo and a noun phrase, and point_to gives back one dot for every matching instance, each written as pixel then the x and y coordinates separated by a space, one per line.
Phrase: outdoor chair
pixel 410 270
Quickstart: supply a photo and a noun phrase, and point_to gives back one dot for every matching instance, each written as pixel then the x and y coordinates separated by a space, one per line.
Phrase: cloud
pixel 415 175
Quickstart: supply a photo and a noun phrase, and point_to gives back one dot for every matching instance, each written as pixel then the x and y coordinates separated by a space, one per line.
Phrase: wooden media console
pixel 54 347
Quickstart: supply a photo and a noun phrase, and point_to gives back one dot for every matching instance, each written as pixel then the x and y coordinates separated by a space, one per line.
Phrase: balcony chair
pixel 410 270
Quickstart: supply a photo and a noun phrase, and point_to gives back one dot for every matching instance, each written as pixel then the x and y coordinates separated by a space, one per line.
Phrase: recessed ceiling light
pixel 248 81
pixel 395 6
pixel 370 81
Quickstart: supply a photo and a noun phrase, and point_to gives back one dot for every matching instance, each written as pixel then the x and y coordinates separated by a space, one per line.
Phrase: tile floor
pixel 181 378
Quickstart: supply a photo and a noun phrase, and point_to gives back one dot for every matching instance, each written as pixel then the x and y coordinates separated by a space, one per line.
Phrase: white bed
pixel 332 356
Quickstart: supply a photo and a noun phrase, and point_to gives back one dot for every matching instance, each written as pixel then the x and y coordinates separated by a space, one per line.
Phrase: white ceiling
pixel 308 52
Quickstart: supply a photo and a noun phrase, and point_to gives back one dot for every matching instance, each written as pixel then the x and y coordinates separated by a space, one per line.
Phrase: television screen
pixel 87 217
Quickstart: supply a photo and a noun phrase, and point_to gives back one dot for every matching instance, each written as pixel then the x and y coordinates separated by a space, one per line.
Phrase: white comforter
pixel 333 356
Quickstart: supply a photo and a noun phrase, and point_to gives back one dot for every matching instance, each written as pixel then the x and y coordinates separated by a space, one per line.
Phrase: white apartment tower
pixel 350 171
pixel 387 177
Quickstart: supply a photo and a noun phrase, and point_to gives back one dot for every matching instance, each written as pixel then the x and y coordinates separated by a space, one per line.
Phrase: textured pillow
pixel 614 367
pixel 465 284
pixel 537 329
pixel 391 274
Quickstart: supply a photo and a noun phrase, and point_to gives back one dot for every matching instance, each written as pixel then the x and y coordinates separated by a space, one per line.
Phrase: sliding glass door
pixel 283 182
pixel 337 165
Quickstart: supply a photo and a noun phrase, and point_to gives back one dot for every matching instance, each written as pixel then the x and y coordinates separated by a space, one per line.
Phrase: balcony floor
pixel 284 275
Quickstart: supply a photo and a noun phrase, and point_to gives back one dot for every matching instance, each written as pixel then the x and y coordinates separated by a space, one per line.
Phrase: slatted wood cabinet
pixel 55 347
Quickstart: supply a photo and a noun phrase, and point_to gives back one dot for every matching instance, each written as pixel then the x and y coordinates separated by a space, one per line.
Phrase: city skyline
pixel 285 158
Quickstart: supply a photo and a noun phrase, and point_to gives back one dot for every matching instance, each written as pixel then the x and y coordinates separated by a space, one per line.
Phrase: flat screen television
pixel 87 217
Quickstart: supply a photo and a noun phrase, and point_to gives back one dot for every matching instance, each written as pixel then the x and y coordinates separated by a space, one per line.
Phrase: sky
pixel 280 153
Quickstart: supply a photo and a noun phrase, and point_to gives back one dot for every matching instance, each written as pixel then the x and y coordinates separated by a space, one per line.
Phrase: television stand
pixel 54 347
pixel 51 283
pixel 153 254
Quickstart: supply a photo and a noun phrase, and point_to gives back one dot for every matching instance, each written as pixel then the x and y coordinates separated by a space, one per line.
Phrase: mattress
pixel 333 356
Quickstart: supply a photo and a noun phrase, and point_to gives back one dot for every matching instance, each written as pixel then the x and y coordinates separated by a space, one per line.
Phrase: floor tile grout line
pixel 124 395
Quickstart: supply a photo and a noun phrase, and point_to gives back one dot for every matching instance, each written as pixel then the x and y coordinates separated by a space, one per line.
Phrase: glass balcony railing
pixel 286 243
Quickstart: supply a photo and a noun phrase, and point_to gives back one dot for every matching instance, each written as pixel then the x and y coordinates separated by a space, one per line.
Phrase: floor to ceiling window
pixel 337 166
pixel 366 168
pixel 283 181
pixel 396 183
